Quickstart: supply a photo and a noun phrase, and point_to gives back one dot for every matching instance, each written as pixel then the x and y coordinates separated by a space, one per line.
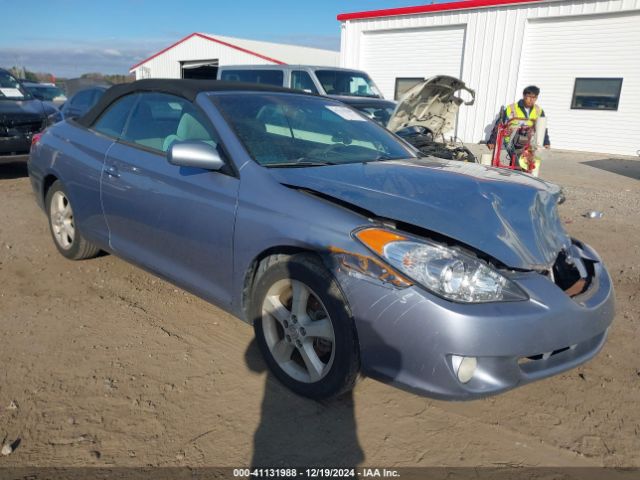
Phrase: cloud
pixel 65 58
pixel 112 52
pixel 73 61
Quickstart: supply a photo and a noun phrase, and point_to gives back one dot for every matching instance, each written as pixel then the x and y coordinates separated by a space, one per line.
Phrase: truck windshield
pixel 10 88
pixel 46 92
pixel 344 82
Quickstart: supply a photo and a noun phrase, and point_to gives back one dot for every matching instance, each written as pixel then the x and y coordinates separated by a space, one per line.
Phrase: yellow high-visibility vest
pixel 514 112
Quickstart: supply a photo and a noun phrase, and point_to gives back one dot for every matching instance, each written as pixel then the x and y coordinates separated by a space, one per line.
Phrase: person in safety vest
pixel 524 113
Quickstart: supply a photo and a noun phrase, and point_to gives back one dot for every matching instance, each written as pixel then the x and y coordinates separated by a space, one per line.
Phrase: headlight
pixel 445 271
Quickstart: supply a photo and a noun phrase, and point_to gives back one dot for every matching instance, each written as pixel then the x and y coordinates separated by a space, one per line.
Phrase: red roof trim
pixel 436 7
pixel 162 51
pixel 206 37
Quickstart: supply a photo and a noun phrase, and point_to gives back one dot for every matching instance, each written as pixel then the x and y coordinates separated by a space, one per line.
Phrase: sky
pixel 71 37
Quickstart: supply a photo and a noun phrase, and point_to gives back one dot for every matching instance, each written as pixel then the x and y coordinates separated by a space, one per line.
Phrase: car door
pixel 81 163
pixel 175 221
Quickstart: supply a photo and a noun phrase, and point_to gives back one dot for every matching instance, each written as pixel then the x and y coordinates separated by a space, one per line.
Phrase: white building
pixel 198 56
pixel 583 54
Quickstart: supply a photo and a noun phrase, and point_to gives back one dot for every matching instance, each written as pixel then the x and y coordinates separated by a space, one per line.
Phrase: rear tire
pixel 66 236
pixel 303 326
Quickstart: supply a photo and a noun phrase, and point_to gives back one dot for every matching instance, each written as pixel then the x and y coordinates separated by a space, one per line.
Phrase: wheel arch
pixel 261 262
pixel 47 182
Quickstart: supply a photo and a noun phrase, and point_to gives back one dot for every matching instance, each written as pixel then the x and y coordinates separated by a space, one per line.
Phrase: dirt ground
pixel 103 364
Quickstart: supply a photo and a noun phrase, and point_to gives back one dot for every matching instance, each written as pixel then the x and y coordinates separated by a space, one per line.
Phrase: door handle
pixel 113 172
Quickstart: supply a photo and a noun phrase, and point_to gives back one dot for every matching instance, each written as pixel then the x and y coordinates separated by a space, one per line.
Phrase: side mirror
pixel 193 153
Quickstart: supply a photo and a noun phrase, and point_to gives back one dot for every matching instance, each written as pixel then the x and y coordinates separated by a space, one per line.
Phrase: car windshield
pixel 45 92
pixel 344 82
pixel 10 88
pixel 285 130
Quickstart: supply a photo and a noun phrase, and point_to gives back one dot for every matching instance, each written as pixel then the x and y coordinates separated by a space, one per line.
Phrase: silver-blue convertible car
pixel 346 250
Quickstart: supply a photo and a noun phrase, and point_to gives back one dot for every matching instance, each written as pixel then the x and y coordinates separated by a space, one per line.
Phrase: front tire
pixel 303 326
pixel 68 240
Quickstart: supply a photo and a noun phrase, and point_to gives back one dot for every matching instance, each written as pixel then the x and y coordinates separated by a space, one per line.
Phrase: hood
pixel 22 110
pixel 431 104
pixel 377 109
pixel 509 216
pixel 358 99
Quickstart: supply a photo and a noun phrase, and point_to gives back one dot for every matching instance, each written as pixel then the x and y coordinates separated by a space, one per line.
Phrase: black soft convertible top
pixel 186 88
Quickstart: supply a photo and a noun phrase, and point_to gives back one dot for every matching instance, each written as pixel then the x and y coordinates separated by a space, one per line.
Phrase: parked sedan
pixel 82 101
pixel 344 249
pixel 47 92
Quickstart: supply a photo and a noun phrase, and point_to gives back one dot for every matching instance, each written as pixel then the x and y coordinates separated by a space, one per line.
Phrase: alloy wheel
pixel 62 224
pixel 298 330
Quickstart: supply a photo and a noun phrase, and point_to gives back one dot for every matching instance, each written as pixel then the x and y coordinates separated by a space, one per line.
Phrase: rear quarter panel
pixel 74 155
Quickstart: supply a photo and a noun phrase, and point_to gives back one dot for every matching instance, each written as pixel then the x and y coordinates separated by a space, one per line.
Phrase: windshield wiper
pixel 384 156
pixel 300 163
pixel 379 158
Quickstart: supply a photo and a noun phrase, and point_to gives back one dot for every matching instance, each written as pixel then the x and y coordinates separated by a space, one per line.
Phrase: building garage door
pixel 600 52
pixel 412 54
pixel 199 69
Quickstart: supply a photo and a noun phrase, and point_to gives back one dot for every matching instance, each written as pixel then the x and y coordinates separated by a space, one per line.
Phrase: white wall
pixel 414 49
pixel 492 56
pixel 167 64
pixel 601 46
pixel 197 47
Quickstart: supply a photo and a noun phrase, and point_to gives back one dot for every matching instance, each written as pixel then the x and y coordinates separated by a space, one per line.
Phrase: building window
pixel 596 93
pixel 403 85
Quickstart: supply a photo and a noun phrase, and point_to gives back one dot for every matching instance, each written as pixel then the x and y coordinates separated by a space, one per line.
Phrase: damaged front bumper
pixel 415 340
pixel 16 134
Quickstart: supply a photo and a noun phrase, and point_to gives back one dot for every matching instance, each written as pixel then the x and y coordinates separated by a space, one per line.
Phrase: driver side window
pixel 158 120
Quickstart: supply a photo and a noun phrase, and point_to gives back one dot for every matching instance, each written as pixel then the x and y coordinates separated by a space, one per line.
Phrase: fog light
pixel 464 367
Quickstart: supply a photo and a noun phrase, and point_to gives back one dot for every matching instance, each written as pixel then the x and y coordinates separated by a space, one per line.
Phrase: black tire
pixel 341 372
pixel 74 247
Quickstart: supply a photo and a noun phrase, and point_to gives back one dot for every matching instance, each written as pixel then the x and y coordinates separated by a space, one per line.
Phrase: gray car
pixel 353 87
pixel 321 80
pixel 344 249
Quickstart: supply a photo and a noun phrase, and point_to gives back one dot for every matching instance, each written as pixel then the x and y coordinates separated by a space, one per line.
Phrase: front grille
pixel 544 356
pixel 20 125
pixel 27 128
